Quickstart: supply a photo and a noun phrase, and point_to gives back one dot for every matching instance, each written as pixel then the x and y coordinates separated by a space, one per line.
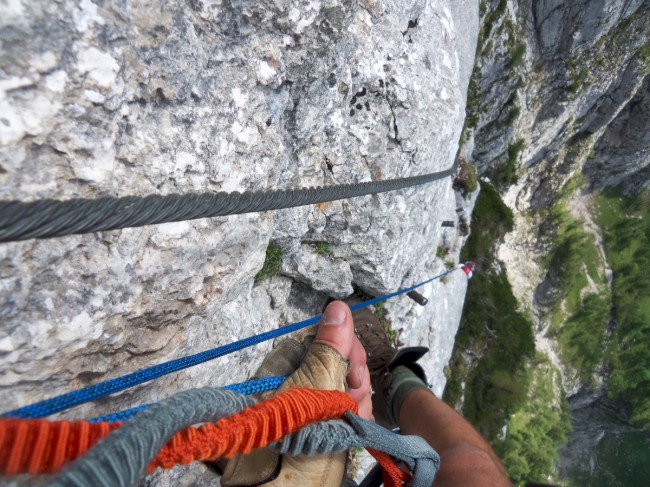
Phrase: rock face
pixel 556 75
pixel 604 449
pixel 622 155
pixel 560 94
pixel 562 28
pixel 121 98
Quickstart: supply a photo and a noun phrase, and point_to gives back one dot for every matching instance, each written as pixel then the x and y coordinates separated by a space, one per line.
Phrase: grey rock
pixel 596 420
pixel 584 63
pixel 562 28
pixel 621 157
pixel 320 272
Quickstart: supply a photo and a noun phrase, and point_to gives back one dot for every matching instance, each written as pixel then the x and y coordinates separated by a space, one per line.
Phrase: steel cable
pixel 50 218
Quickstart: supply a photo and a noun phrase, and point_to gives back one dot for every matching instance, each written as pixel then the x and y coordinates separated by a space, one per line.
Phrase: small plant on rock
pixel 323 248
pixel 272 264
pixel 380 310
pixel 466 181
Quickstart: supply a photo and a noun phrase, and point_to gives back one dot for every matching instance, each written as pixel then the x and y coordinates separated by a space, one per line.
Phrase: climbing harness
pixel 151 430
pixel 298 421
pixel 26 443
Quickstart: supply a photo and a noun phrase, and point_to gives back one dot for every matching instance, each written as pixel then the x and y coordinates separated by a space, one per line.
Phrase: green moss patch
pixel 272 264
pixel 322 248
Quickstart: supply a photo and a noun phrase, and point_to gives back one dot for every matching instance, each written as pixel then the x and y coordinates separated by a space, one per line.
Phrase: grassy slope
pixel 578 319
pixel 503 384
pixel 626 228
pixel 491 321
pixel 538 430
pixel 491 328
pixel 506 384
pixel 581 318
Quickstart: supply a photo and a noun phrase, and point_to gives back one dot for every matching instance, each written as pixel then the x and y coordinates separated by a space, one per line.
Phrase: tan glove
pixel 311 360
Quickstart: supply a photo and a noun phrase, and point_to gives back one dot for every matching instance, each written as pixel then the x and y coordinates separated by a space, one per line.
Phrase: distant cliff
pixel 558 117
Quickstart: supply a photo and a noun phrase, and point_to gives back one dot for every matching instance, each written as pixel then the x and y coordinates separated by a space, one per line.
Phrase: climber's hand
pixel 326 357
pixel 337 330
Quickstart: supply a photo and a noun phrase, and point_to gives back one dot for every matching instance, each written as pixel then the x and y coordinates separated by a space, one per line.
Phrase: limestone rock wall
pixel 133 98
pixel 621 157
pixel 564 28
pixel 556 76
pixel 560 111
pixel 558 95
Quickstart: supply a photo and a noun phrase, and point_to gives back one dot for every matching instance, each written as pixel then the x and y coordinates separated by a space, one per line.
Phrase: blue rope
pixel 247 388
pixel 120 415
pixel 92 393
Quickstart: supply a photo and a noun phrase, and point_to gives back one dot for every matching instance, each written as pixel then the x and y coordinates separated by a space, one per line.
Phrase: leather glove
pixel 308 361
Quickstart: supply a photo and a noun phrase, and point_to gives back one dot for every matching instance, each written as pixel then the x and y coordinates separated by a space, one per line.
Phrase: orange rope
pixel 41 446
pixel 254 427
pixel 392 475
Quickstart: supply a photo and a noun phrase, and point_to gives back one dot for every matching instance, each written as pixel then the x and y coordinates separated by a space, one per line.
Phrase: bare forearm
pixel 466 457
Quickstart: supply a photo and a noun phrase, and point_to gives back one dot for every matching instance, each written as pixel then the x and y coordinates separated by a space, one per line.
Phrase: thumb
pixel 325 365
pixel 337 328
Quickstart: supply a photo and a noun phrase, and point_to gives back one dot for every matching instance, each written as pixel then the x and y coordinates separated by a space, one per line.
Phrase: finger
pixel 359 393
pixel 365 408
pixel 357 364
pixel 336 328
pixel 362 396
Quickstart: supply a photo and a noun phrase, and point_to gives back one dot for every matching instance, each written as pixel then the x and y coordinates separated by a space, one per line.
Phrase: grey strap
pixel 423 460
pixel 337 436
pixel 122 458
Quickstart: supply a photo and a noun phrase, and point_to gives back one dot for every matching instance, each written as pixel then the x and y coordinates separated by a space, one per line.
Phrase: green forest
pixel 507 382
pixel 609 328
pixel 580 312
pixel 625 223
